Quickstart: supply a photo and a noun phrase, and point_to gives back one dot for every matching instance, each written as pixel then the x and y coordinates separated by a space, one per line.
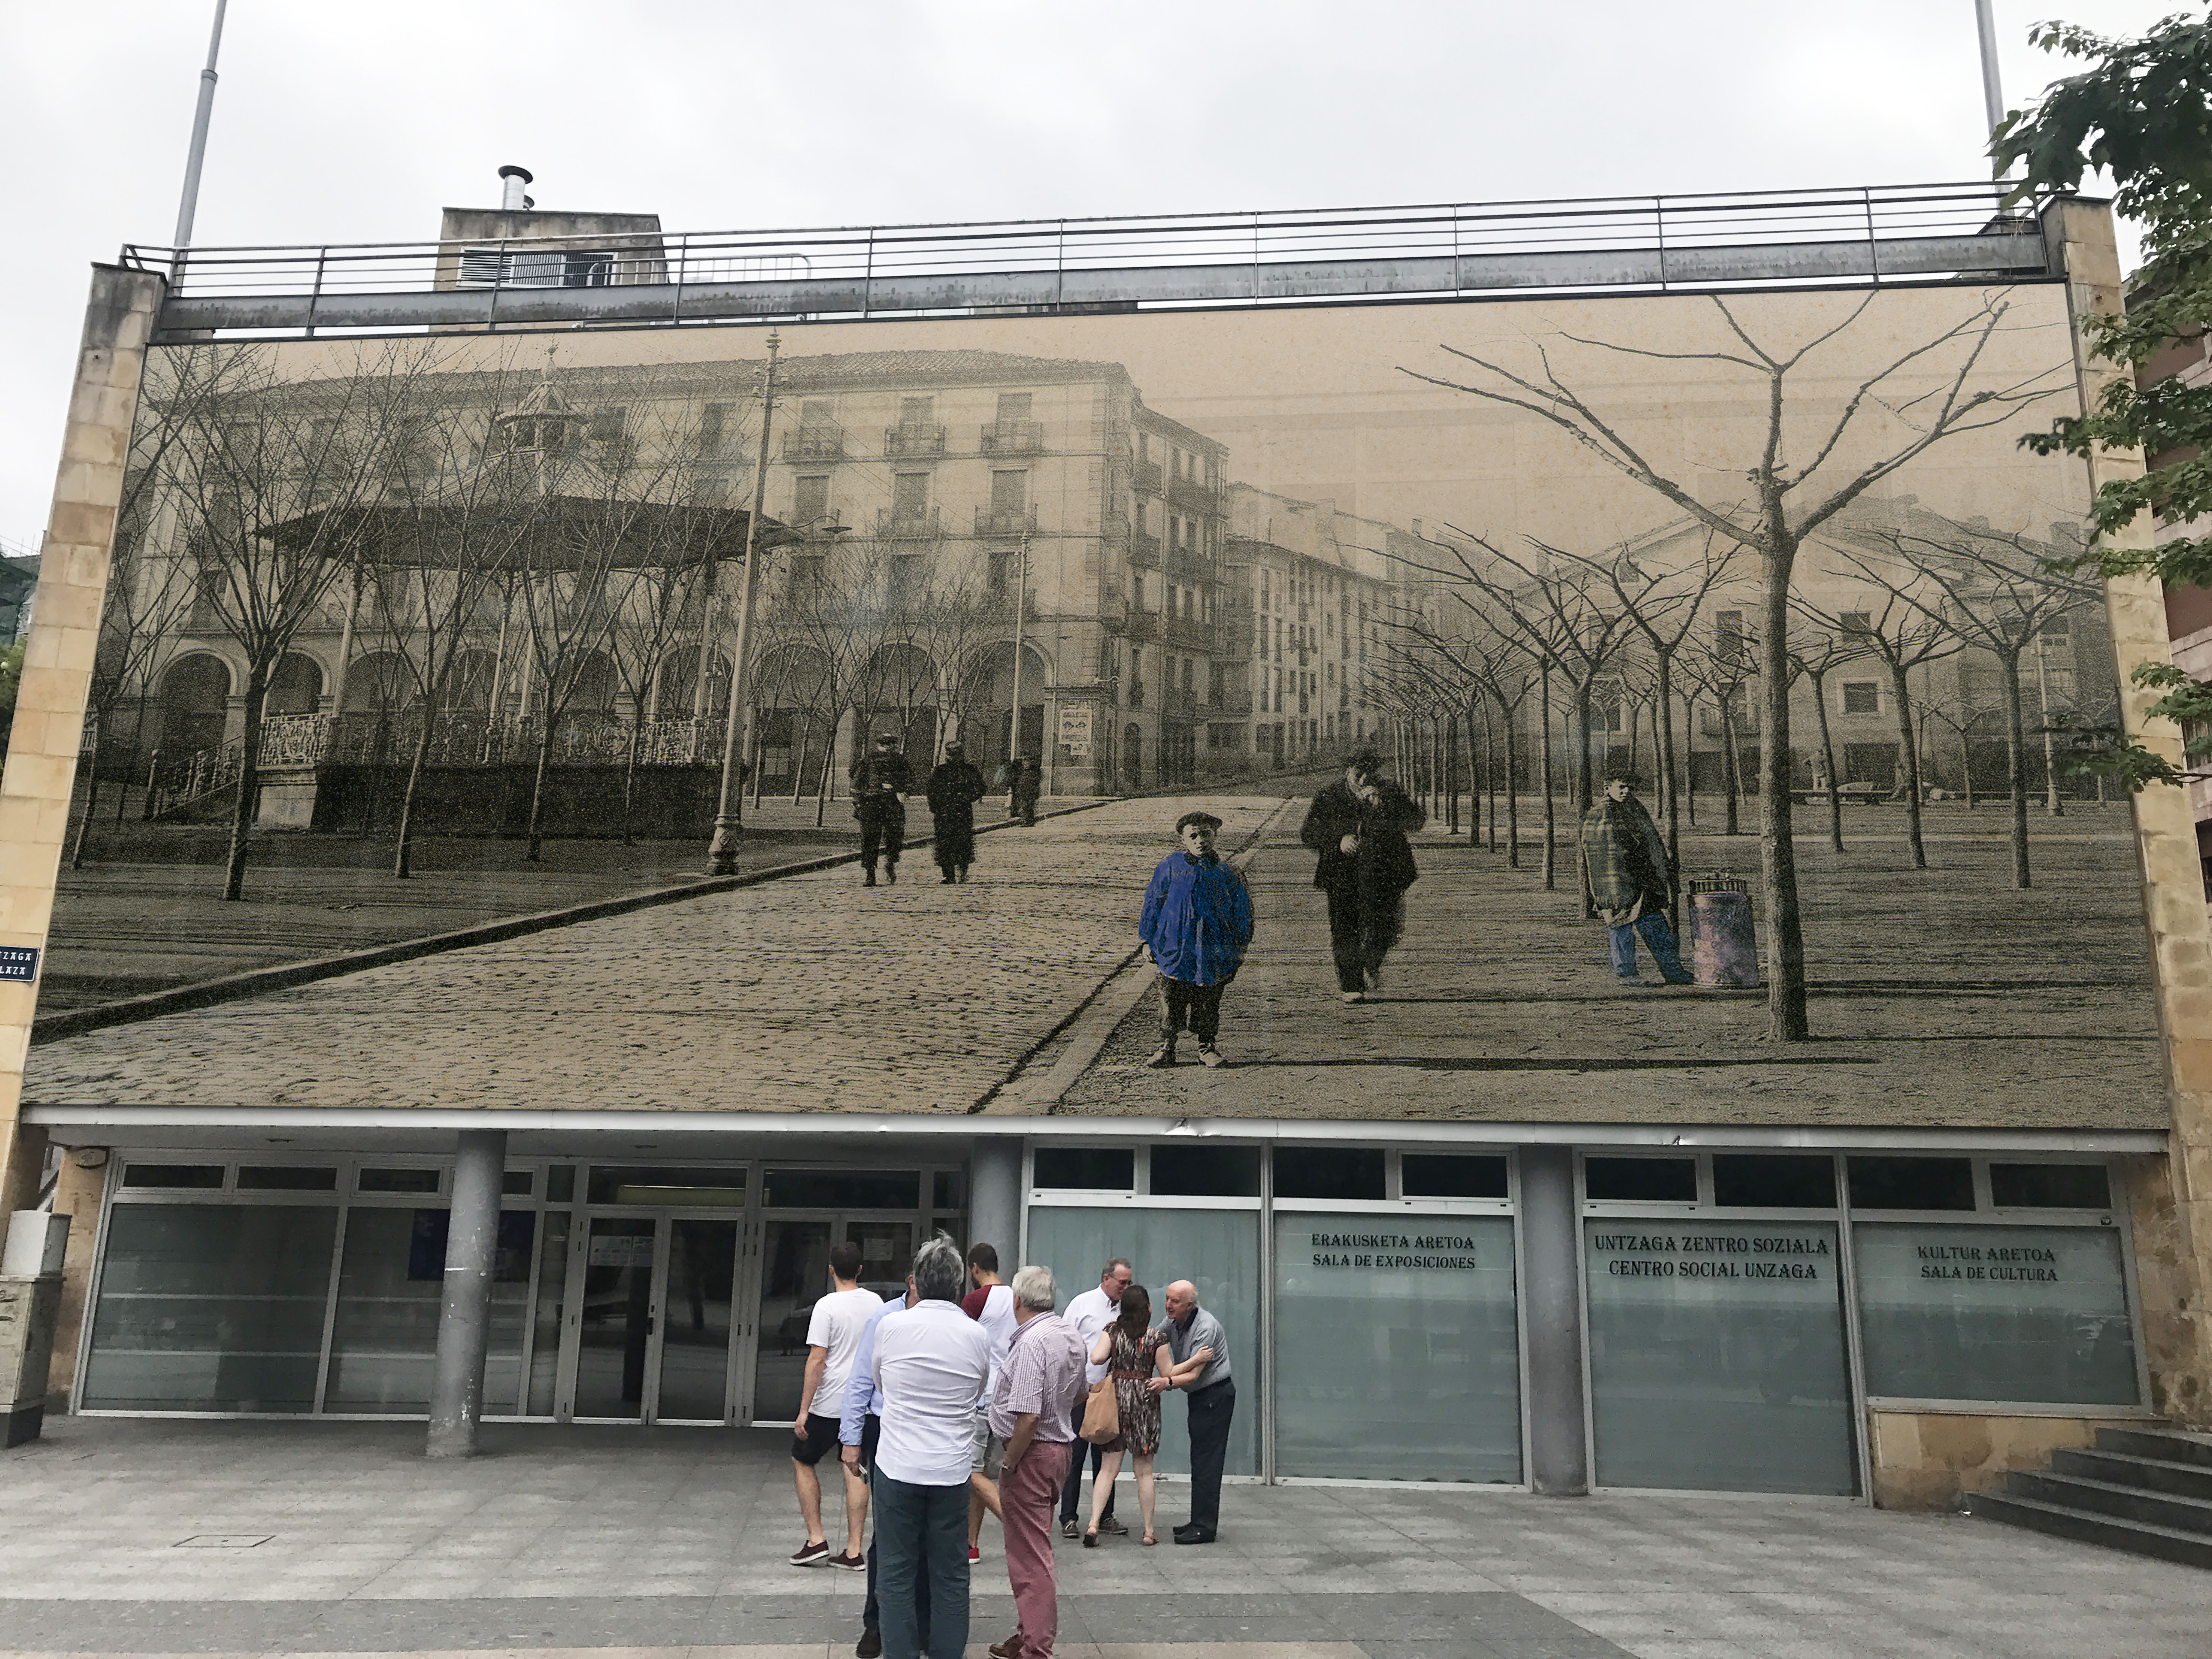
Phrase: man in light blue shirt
pixel 859 1427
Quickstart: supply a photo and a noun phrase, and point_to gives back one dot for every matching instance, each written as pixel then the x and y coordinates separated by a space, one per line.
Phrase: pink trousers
pixel 1028 1496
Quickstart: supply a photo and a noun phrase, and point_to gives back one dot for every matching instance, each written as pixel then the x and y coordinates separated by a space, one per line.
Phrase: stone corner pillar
pixel 50 704
pixel 1551 1310
pixel 994 1198
pixel 457 1385
pixel 2170 1210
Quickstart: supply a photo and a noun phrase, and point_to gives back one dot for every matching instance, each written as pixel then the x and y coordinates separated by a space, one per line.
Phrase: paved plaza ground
pixel 145 912
pixel 1937 996
pixel 266 1539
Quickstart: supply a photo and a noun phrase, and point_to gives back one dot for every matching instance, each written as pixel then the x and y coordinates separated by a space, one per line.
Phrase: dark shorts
pixel 819 1441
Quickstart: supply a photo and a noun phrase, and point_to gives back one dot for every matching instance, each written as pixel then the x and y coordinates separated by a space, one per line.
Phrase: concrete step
pixel 2156 1509
pixel 2170 1445
pixel 2127 1469
pixel 2164 1543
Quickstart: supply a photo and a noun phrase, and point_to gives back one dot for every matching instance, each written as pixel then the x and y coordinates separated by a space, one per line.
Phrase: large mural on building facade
pixel 1613 586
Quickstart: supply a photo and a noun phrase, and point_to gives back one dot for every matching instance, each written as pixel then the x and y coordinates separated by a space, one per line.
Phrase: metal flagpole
pixel 188 205
pixel 1992 92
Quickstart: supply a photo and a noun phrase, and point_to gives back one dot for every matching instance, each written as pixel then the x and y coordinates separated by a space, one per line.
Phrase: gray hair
pixel 939 1274
pixel 1034 1287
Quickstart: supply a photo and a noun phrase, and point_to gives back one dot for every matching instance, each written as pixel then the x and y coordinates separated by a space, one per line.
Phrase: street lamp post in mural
pixel 1021 595
pixel 729 808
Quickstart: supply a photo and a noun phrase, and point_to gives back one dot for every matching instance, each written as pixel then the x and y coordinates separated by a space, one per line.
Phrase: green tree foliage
pixel 2142 112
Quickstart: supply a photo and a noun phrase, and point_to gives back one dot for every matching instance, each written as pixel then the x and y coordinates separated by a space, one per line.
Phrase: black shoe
pixel 871 1645
pixel 1193 1534
pixel 945 881
pixel 1111 1527
pixel 867 878
pixel 890 872
pixel 1162 1056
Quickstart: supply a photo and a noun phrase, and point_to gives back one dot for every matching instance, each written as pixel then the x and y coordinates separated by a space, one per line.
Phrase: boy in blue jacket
pixel 1197 924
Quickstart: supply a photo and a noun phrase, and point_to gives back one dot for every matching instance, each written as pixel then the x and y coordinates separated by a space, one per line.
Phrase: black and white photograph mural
pixel 1729 651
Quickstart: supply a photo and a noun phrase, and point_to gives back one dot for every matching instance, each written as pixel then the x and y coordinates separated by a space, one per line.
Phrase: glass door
pixel 794 1276
pixel 695 1307
pixel 616 1316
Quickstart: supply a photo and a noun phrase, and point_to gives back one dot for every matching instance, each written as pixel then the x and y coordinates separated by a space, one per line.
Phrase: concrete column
pixel 994 1198
pixel 49 703
pixel 464 1320
pixel 1552 1309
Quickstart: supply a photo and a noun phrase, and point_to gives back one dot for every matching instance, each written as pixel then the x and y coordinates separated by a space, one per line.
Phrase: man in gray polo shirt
pixel 1201 1353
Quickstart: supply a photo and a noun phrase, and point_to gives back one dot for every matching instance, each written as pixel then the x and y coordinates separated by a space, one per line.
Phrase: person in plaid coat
pixel 1624 872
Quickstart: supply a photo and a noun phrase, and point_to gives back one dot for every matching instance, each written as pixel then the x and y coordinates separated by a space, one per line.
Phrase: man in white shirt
pixel 930 1362
pixel 833 1336
pixel 990 1304
pixel 1091 1313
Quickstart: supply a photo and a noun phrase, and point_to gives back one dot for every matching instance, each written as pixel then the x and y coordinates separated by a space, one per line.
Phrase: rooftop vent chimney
pixel 512 200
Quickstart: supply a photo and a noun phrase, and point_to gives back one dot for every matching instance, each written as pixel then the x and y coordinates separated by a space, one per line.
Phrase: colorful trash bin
pixel 1723 945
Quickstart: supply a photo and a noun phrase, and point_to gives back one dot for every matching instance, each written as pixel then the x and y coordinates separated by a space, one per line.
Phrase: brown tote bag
pixel 1101 1413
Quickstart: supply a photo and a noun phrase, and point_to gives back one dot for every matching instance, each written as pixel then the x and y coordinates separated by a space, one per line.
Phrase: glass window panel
pixel 210 1307
pixel 518 1183
pixel 1181 1169
pixel 204 1176
pixel 1109 1168
pixel 1217 1251
pixel 1912 1183
pixel 1328 1172
pixel 545 1337
pixel 840 1190
pixel 945 1189
pixel 1760 1181
pixel 667 1187
pixel 1449 1174
pixel 1641 1179
pixel 397 1181
pixel 1391 1326
pixel 561 1184
pixel 2050 1186
pixel 390 1287
pixel 2031 1314
pixel 286 1178
pixel 1717 1355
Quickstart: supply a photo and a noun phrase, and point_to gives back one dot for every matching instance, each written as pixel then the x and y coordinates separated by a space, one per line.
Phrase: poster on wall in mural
pixel 1717 805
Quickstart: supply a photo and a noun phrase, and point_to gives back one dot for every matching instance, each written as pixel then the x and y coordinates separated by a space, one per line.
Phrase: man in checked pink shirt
pixel 1039 1383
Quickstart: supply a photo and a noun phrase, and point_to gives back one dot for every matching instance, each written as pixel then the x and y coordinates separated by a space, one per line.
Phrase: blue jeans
pixel 921 1534
pixel 1658 939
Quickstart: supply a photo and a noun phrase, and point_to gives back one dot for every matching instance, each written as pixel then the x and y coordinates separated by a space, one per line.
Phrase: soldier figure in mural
pixel 1024 781
pixel 1624 870
pixel 954 788
pixel 1359 826
pixel 880 783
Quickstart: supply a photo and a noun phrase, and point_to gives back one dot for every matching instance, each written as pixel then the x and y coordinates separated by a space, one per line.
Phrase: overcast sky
pixel 352 123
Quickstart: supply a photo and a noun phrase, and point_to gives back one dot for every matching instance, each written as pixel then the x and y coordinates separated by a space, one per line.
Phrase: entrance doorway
pixel 794 1276
pixel 654 1326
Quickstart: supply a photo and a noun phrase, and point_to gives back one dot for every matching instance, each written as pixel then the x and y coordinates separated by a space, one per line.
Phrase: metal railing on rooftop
pixel 1655 242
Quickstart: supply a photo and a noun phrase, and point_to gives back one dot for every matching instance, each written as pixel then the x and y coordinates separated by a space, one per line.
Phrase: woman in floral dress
pixel 1135 1354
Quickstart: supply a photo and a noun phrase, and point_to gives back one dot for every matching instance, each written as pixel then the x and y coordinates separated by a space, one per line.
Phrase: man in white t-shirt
pixel 833 1333
pixel 1091 1313
pixel 990 1304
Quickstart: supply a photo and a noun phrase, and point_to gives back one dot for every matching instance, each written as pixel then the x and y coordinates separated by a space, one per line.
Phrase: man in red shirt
pixel 991 1304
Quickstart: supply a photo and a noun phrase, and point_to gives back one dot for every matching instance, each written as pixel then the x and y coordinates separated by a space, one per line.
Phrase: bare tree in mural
pixel 1996 592
pixel 1813 658
pixel 147 598
pixel 1848 439
pixel 268 483
pixel 1895 632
